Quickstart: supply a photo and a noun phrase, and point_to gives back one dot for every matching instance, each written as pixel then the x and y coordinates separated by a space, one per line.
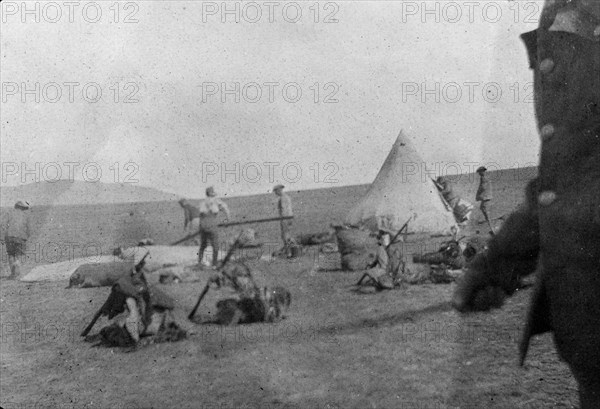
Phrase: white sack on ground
pixel 62 270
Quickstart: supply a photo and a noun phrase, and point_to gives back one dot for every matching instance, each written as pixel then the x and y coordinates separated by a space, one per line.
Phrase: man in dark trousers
pixel 18 230
pixel 284 207
pixel 484 195
pixel 557 230
pixel 210 207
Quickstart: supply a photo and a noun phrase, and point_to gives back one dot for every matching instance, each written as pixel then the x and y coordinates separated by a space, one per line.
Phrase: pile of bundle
pixel 357 247
pixel 312 239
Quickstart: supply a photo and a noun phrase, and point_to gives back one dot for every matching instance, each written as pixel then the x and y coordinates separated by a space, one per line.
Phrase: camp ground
pixel 411 331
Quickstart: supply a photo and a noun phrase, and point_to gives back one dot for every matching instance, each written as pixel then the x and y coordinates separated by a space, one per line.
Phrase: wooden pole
pixel 271 219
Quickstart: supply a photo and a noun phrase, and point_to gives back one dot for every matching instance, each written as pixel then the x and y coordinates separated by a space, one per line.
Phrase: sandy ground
pixel 338 349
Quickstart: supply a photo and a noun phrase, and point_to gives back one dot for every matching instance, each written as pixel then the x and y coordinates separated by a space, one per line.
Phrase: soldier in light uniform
pixel 18 230
pixel 558 228
pixel 210 207
pixel 284 207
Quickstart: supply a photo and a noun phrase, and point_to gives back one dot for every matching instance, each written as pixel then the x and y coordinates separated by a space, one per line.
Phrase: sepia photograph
pixel 310 204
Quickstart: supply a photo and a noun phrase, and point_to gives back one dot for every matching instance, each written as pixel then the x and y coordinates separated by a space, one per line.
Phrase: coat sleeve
pixel 513 252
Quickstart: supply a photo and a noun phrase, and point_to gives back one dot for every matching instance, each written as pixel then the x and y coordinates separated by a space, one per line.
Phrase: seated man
pixel 382 273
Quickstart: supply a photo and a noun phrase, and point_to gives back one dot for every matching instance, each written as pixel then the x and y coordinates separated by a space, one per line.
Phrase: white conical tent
pixel 401 191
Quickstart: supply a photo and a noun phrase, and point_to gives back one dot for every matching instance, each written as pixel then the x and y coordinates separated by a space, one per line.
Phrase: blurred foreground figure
pixel 558 228
pixel 18 231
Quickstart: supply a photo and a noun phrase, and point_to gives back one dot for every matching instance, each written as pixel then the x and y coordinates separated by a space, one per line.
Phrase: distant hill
pixel 86 193
pixel 66 192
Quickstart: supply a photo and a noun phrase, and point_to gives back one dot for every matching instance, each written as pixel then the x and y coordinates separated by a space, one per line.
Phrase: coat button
pixel 546 198
pixel 546 65
pixel 547 131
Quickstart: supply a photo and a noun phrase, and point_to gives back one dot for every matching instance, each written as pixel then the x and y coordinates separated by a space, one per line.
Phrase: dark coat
pixel 567 83
pixel 559 227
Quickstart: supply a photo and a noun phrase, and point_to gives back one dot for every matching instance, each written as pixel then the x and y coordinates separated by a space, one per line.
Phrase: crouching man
pixel 143 313
pixel 381 273
pixel 254 303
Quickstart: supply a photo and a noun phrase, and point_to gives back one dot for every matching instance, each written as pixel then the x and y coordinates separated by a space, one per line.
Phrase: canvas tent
pixel 401 191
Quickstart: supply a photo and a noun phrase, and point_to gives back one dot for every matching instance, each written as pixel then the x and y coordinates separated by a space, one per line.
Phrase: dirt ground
pixel 337 348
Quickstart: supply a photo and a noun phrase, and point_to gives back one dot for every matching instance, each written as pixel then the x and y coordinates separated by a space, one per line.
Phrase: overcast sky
pixel 180 132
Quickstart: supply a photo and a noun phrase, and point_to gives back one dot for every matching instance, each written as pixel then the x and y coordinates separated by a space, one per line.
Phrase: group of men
pixel 150 312
pixel 205 219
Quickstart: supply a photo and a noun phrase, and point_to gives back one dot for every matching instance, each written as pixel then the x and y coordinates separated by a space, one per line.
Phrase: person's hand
pixel 474 292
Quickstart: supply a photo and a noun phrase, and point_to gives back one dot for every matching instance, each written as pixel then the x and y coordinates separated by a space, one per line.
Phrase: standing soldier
pixel 17 232
pixel 284 206
pixel 209 212
pixel 191 218
pixel 484 195
pixel 558 228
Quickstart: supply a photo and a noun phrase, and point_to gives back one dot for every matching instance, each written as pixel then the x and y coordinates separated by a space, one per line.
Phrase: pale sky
pixel 172 61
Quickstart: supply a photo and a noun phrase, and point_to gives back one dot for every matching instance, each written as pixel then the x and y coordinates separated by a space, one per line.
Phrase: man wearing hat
pixel 484 195
pixel 17 232
pixel 210 207
pixel 284 207
pixel 556 232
